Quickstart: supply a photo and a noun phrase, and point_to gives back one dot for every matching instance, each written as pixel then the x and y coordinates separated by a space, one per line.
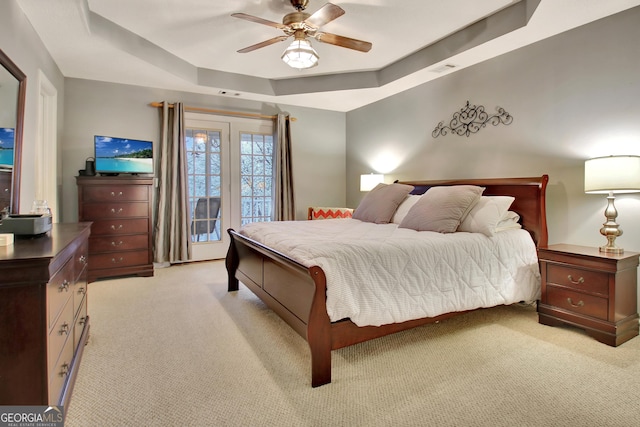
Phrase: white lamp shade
pixel 369 181
pixel 300 54
pixel 617 174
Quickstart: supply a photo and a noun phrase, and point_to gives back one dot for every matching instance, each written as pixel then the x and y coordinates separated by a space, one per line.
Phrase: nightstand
pixel 589 289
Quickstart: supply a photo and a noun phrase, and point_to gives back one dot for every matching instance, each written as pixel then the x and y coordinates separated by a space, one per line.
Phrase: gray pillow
pixel 442 209
pixel 380 204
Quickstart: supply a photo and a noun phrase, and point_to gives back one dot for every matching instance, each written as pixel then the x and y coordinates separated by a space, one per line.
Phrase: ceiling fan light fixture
pixel 301 55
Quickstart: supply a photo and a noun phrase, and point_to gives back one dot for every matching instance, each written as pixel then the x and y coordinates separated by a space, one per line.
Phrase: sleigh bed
pixel 297 290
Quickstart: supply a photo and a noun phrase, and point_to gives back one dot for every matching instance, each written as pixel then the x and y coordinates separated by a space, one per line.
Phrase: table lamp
pixel 611 175
pixel 369 181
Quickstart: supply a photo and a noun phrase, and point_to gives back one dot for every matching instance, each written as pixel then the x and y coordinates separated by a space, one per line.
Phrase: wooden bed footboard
pixel 298 293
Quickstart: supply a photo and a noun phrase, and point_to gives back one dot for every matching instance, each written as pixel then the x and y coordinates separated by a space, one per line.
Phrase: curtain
pixel 172 242
pixel 284 209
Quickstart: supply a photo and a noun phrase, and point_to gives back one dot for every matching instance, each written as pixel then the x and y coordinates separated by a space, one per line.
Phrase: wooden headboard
pixel 529 203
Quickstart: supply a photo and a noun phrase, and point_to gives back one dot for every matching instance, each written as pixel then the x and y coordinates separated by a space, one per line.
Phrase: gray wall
pixel 573 97
pixel 100 108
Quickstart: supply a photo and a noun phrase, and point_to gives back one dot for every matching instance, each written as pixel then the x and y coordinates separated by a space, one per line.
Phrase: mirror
pixel 13 83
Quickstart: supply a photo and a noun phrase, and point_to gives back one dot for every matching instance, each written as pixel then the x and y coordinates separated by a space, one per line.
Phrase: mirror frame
pixel 12 68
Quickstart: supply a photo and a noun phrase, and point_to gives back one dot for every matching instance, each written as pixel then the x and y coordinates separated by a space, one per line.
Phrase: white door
pixel 220 192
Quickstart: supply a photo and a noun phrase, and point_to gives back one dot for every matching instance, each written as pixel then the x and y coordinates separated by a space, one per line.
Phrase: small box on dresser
pixel 589 289
pixel 121 234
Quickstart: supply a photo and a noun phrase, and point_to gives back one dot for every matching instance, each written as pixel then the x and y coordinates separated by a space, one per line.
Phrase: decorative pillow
pixel 404 207
pixel 442 208
pixel 380 204
pixel 486 214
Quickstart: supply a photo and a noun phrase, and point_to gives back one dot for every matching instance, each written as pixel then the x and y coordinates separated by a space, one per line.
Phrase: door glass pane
pixel 204 177
pixel 256 151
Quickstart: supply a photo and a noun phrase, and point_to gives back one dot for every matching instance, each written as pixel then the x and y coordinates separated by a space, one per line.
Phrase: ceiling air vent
pixel 443 68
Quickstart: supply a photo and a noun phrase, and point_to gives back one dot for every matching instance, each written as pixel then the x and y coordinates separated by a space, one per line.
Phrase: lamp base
pixel 611 250
pixel 610 229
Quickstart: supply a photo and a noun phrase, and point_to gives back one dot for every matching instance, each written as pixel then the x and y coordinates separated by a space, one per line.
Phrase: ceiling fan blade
pixel 342 41
pixel 325 14
pixel 263 44
pixel 258 20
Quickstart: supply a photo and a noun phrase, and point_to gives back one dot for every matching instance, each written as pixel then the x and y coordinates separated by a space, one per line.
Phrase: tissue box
pixel 6 239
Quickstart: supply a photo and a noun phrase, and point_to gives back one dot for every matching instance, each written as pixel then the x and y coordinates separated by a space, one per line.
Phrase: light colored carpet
pixel 179 350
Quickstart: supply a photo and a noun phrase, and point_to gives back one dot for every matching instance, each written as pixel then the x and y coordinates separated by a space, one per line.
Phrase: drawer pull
pixel 576 282
pixel 82 291
pixel 64 329
pixel 82 259
pixel 116 261
pixel 64 370
pixel 64 286
pixel 117 244
pixel 579 304
pixel 113 227
pixel 113 194
pixel 113 210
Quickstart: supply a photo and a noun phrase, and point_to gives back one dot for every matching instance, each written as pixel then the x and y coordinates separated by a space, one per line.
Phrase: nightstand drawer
pixel 578 302
pixel 584 280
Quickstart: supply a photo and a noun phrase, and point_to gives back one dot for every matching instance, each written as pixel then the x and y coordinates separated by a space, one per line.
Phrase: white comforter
pixel 379 273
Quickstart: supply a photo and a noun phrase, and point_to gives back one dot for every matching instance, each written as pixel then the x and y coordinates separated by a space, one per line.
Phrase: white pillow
pixel 486 214
pixel 509 221
pixel 404 207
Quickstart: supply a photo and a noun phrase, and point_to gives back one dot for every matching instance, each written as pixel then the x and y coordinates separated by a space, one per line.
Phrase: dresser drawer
pixel 119 226
pixel 119 259
pixel 577 302
pixel 59 334
pixel 81 318
pixel 79 292
pixel 61 370
pixel 576 278
pixel 119 243
pixel 80 259
pixel 117 193
pixel 59 289
pixel 115 210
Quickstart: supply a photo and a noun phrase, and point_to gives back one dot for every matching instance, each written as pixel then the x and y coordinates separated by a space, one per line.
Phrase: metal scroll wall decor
pixel 471 119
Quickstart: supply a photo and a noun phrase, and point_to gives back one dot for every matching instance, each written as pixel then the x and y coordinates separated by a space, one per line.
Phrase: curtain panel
pixel 172 242
pixel 284 206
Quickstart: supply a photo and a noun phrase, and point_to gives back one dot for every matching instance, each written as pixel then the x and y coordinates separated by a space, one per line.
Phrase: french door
pixel 230 178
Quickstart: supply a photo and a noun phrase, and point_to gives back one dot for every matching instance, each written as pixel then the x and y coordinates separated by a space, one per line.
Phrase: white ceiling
pixel 190 45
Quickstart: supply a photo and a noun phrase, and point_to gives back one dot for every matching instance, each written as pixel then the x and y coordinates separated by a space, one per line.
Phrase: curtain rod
pixel 223 112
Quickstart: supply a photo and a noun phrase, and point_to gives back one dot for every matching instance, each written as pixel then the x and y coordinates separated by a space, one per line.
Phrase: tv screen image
pixel 123 155
pixel 7 138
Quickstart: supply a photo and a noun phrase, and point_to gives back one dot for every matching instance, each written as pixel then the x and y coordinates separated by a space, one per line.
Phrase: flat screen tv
pixel 7 138
pixel 123 155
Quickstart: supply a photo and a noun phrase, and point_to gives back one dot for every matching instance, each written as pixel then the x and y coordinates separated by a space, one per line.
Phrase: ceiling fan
pixel 300 54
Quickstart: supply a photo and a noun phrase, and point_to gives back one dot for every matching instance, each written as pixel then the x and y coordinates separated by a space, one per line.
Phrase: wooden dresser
pixel 43 315
pixel 120 209
pixel 584 287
